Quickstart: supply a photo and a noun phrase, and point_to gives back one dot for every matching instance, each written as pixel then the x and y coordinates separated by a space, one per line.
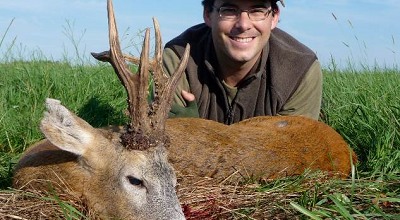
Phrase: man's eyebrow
pixel 259 6
pixel 228 4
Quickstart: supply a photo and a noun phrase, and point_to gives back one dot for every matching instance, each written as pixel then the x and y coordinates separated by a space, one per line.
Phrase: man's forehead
pixel 243 2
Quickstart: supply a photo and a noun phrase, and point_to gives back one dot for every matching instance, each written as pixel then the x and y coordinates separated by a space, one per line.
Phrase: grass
pixel 93 92
pixel 309 196
pixel 363 105
pixel 365 108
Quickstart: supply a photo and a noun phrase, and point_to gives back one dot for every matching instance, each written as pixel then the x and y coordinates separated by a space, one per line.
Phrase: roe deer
pixel 123 175
pixel 264 147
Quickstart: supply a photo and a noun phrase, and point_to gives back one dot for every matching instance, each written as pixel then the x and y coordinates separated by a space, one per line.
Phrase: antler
pixel 147 122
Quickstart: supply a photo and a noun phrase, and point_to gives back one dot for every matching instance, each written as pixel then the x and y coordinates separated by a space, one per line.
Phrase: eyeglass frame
pixel 240 11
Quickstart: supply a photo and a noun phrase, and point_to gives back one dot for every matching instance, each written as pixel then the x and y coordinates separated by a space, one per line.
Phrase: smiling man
pixel 242 65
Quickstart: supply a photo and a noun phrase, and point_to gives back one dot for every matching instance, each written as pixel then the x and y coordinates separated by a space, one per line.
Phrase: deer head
pixel 123 174
pixel 150 188
pixel 115 181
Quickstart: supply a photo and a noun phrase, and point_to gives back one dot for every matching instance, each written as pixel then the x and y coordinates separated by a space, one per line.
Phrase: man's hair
pixel 208 4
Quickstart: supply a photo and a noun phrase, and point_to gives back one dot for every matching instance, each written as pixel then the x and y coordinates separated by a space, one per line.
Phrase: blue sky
pixel 373 35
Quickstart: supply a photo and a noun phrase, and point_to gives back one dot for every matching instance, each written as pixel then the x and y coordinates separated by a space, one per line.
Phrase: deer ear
pixel 66 130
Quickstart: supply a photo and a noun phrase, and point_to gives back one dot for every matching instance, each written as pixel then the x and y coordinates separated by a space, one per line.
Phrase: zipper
pixel 231 106
pixel 231 109
pixel 230 115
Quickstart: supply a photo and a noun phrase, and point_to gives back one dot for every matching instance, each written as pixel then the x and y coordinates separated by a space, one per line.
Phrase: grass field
pixel 363 106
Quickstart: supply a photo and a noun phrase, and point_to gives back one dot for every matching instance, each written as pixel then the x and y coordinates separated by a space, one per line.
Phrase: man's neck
pixel 234 72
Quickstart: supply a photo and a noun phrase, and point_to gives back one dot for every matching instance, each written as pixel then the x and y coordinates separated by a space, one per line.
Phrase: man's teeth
pixel 243 40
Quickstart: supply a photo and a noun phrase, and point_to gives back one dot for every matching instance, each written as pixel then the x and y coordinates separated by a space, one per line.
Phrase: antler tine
pixel 168 89
pixel 164 86
pixel 133 83
pixel 160 78
pixel 105 57
pixel 142 90
pixel 159 48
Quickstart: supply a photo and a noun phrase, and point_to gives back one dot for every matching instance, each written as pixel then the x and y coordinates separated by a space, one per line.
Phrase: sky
pixel 364 31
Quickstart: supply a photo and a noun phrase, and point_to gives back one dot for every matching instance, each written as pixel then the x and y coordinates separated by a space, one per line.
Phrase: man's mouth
pixel 242 39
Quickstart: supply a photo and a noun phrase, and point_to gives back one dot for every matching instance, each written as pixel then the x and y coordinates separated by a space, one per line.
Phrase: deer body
pixel 94 165
pixel 263 147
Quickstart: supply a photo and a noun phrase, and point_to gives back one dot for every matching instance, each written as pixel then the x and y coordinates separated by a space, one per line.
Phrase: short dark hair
pixel 208 4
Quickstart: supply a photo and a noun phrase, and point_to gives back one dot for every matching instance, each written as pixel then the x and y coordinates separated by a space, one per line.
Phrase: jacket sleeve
pixel 306 100
pixel 180 108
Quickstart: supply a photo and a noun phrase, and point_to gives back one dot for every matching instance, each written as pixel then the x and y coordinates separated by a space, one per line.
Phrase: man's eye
pixel 258 11
pixel 229 11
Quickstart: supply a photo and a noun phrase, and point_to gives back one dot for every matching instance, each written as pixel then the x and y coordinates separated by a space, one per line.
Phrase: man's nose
pixel 243 21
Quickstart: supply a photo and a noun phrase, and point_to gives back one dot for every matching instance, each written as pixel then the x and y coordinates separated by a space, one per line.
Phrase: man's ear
pixel 206 16
pixel 275 18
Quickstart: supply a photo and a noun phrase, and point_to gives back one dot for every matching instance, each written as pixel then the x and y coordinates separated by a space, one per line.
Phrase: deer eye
pixel 135 181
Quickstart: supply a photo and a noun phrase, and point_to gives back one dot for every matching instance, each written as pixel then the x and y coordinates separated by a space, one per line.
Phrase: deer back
pixel 263 147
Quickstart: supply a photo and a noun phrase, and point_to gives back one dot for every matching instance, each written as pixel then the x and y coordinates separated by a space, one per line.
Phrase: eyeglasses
pixel 233 13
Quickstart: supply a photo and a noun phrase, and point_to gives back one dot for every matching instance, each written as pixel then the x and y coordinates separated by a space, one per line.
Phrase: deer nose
pixel 181 216
pixel 175 213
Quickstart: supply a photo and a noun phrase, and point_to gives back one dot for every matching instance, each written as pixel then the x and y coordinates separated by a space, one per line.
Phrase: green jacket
pixel 286 80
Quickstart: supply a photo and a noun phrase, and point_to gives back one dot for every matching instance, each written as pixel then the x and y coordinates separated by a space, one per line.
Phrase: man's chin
pixel 241 58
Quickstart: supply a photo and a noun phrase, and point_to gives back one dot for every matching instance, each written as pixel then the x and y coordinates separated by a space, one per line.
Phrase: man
pixel 242 66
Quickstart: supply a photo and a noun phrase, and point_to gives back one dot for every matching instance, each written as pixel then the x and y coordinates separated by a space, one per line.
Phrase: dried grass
pixel 29 204
pixel 200 198
pixel 204 199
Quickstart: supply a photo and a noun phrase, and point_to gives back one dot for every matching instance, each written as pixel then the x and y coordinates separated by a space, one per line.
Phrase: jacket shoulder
pixel 288 44
pixel 191 36
pixel 290 60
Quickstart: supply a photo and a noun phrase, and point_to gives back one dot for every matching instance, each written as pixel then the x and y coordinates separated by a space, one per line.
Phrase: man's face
pixel 240 40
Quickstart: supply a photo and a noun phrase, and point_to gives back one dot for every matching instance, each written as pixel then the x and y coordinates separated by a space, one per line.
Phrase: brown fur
pixel 94 166
pixel 264 147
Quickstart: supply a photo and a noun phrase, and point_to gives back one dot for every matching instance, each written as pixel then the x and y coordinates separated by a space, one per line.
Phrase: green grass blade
pixel 305 211
pixel 5 33
pixel 380 212
pixel 340 208
pixel 69 212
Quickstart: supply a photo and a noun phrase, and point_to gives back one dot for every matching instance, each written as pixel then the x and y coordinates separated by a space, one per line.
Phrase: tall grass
pixel 359 58
pixel 93 92
pixel 365 108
